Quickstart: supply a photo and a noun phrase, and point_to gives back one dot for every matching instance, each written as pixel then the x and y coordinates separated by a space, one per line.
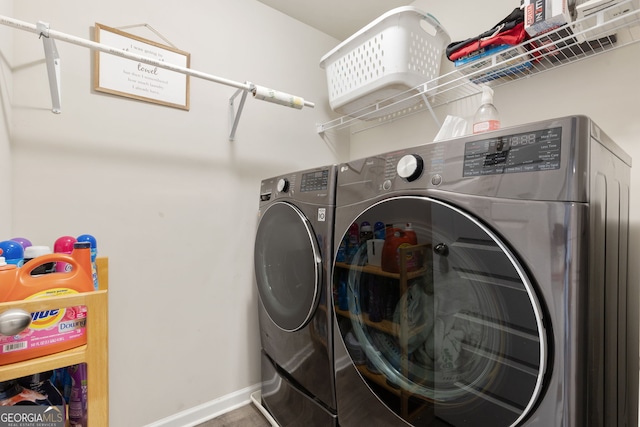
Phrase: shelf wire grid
pixel 612 28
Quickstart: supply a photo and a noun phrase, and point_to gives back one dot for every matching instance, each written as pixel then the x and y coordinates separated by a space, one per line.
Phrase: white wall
pixel 171 201
pixel 6 78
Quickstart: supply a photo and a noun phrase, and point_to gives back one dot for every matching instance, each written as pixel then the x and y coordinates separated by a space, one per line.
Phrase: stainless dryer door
pixel 440 320
pixel 287 266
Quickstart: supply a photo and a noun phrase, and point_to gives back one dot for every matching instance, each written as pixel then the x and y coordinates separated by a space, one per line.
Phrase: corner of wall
pixel 6 89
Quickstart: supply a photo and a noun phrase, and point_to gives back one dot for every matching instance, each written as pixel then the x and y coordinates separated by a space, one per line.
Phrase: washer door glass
pixel 439 318
pixel 287 266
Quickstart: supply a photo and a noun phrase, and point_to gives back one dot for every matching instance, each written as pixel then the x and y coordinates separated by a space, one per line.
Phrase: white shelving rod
pixel 258 92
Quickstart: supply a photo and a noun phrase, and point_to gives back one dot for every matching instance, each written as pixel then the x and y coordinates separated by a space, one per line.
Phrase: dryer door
pixel 448 330
pixel 287 266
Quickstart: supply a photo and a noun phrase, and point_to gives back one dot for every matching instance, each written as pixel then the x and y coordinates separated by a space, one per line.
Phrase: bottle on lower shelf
pixel 78 398
pixel 42 396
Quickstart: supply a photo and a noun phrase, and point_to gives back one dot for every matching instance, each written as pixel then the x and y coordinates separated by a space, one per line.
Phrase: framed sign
pixel 133 79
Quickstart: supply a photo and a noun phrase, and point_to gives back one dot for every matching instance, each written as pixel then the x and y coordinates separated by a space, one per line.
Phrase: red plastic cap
pixel 64 244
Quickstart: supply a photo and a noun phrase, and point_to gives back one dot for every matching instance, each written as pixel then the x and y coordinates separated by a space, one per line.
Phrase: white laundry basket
pixel 381 63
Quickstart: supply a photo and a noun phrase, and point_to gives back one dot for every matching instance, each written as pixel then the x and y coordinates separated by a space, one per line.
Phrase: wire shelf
pixel 611 28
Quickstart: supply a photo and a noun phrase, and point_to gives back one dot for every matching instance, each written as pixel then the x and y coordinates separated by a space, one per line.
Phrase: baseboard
pixel 209 410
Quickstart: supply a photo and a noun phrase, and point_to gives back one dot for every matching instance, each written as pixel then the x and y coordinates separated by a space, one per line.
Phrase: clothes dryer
pixel 506 302
pixel 293 255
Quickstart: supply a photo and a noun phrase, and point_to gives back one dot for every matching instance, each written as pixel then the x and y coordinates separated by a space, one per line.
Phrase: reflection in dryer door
pixel 454 340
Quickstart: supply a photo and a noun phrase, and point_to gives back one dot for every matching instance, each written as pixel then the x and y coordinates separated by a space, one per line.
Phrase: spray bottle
pixel 486 118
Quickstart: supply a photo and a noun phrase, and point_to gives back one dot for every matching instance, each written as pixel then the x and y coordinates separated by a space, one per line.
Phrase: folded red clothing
pixel 512 36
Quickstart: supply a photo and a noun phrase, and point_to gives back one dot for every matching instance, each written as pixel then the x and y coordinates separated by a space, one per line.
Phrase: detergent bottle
pixel 353 241
pixel 52 330
pixel 13 252
pixel 366 232
pixel 63 245
pixel 78 402
pixel 94 254
pixel 395 239
pixel 24 242
pixel 4 266
pixel 379 230
pixel 413 259
pixel 32 252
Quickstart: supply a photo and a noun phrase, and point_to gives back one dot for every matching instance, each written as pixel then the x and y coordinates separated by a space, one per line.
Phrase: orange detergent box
pixel 50 331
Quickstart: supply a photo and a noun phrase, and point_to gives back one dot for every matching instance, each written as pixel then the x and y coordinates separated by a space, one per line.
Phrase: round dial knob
pixel 283 185
pixel 410 167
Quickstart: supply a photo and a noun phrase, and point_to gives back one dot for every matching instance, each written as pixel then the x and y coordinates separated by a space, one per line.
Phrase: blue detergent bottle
pixel 379 230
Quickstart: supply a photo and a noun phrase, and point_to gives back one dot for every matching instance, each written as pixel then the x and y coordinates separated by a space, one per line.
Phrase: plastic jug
pixel 54 330
pixel 395 239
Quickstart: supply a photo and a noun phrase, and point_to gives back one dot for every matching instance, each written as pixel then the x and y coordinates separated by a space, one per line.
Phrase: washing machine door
pixel 440 319
pixel 287 266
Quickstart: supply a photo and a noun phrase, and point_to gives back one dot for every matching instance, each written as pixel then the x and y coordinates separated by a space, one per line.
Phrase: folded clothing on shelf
pixel 482 68
pixel 509 31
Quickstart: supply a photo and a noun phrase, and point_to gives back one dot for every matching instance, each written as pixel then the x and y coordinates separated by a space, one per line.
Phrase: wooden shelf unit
pixel 95 353
pixel 388 326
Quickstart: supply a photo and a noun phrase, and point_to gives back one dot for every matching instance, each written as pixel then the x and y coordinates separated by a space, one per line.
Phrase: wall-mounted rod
pixel 4 20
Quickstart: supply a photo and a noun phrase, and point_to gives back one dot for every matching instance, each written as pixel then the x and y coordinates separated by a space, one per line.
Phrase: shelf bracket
pixel 234 117
pixel 428 105
pixel 52 58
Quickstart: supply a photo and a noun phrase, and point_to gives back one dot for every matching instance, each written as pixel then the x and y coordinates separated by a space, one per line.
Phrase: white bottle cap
pixel 2 261
pixel 35 251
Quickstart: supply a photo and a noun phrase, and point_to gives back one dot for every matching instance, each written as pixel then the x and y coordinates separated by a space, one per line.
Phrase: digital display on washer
pixel 523 152
pixel 315 181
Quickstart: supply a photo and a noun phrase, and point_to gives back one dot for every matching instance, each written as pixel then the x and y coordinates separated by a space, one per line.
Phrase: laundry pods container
pixel 375 72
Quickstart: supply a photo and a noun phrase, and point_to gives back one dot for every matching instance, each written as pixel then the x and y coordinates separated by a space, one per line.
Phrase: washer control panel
pixel 315 181
pixel 523 152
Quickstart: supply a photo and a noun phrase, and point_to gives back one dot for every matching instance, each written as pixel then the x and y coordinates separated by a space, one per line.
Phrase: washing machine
pixel 293 256
pixel 499 293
